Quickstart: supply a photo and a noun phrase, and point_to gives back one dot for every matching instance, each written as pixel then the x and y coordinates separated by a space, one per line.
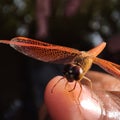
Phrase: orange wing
pixel 108 66
pixel 97 50
pixel 43 51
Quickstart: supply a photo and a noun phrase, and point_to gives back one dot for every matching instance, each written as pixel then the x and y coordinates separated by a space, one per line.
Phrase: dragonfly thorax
pixel 72 72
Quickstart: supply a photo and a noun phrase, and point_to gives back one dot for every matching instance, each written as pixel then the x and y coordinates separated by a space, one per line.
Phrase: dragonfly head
pixel 72 72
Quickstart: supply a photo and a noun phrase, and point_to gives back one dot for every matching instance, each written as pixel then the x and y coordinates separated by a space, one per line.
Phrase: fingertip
pixel 60 104
pixel 64 105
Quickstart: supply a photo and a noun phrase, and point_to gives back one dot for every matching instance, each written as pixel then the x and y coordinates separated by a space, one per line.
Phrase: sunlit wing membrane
pixel 97 50
pixel 110 67
pixel 43 51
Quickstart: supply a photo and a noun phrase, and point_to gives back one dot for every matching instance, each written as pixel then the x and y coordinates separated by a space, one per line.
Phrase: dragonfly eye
pixel 72 72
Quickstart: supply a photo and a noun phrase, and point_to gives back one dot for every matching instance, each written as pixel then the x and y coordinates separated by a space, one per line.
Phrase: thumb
pixel 65 105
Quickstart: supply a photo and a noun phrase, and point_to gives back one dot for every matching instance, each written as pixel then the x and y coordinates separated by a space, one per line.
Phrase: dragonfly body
pixel 73 59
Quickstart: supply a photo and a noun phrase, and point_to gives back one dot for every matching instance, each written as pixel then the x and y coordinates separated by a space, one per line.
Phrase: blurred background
pixel 80 24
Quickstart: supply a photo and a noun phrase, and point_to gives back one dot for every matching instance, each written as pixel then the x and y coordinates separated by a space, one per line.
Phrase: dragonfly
pixel 77 63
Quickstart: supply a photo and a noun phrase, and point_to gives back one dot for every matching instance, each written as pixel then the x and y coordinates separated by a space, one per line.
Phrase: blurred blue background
pixel 81 24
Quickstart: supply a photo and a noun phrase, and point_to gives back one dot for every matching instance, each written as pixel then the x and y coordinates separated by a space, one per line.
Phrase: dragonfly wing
pixel 43 51
pixel 97 50
pixel 112 68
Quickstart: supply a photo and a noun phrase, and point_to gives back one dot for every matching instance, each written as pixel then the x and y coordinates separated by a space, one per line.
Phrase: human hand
pixel 100 103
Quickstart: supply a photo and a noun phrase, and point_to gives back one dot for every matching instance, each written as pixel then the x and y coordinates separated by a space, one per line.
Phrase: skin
pixel 102 102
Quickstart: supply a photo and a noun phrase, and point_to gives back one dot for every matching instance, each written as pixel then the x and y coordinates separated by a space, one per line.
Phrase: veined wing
pixel 112 68
pixel 43 51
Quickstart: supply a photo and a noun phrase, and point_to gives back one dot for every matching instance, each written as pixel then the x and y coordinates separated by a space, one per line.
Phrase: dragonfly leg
pixel 80 90
pixel 73 87
pixel 56 84
pixel 91 87
pixel 66 84
pixel 88 81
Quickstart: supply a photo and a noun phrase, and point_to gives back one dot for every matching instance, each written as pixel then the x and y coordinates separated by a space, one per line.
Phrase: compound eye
pixel 67 68
pixel 72 72
pixel 77 71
